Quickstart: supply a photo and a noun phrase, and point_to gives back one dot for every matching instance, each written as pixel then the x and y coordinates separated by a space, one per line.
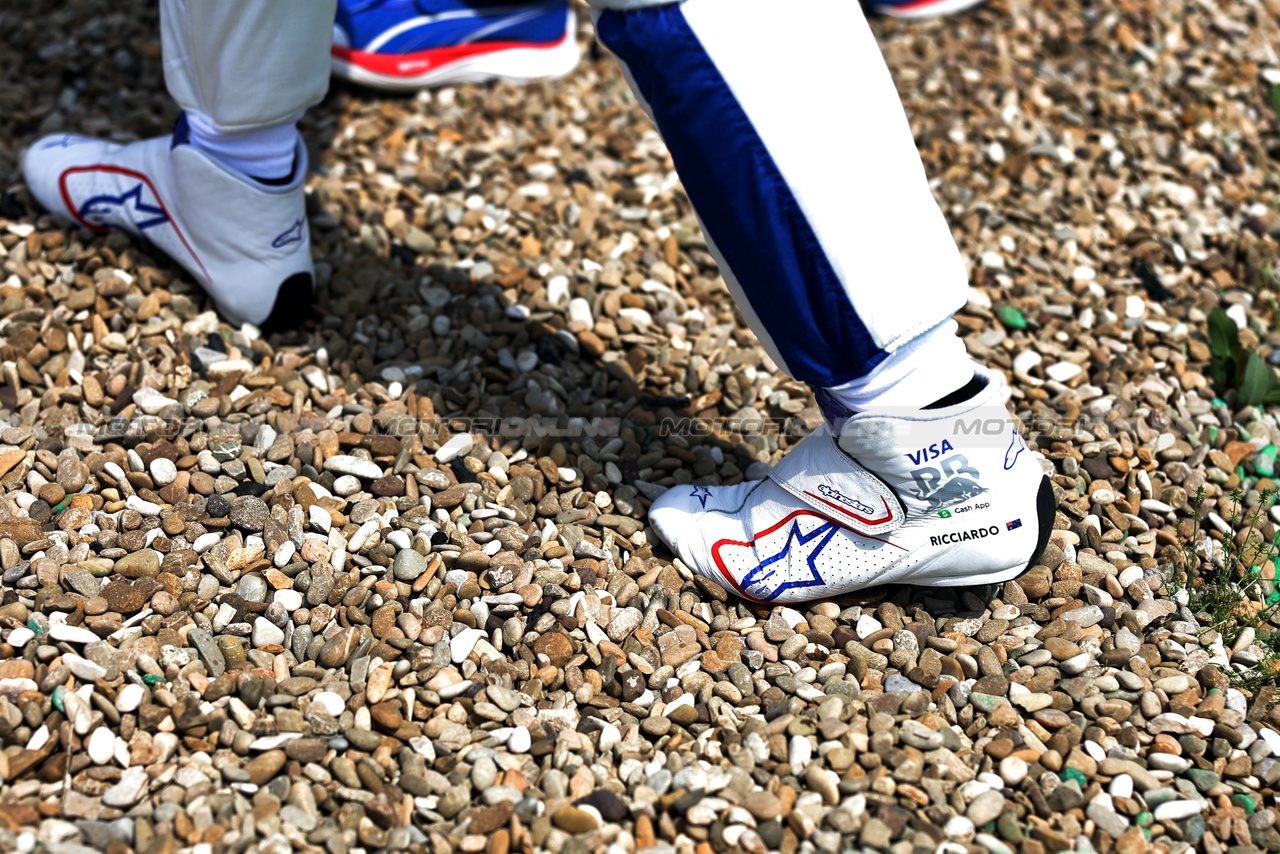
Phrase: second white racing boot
pixel 246 242
pixel 936 497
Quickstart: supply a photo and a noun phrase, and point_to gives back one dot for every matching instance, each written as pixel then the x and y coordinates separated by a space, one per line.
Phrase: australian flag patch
pixel 1016 523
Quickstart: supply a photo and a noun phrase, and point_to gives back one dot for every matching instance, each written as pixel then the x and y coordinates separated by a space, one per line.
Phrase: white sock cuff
pixel 261 153
pixel 925 369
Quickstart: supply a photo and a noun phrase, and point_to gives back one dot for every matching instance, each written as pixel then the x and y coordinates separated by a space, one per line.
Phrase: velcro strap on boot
pixel 828 480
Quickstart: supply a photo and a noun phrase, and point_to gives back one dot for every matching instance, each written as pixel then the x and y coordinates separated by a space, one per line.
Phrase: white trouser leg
pixel 242 65
pixel 792 145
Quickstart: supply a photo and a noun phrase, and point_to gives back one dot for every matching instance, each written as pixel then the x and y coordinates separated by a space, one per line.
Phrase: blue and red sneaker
pixel 411 44
pixel 920 8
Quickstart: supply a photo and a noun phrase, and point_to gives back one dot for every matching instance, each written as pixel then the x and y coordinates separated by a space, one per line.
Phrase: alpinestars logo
pixel 794 553
pixel 292 234
pixel 769 579
pixel 836 495
pixel 413 66
pixel 1016 446
pixel 100 210
pixel 63 142
pixel 782 557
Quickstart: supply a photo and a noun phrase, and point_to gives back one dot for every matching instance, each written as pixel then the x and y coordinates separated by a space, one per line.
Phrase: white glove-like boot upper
pixel 946 497
pixel 245 242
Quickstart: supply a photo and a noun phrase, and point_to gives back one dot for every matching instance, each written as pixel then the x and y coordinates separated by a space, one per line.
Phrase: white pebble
pixel 204 542
pixel 271 742
pixel 225 615
pixel 462 644
pixel 146 508
pixel 266 632
pixel 1013 770
pixel 345 464
pixel 580 312
pixel 84 669
pixel 557 289
pixel 610 737
pixel 318 517
pixel 1063 371
pixel 19 637
pixel 799 752
pixel 330 702
pixel 959 827
pixel 638 317
pixel 39 738
pixel 284 553
pixel 154 403
pixel 457 446
pixel 1121 786
pixel 290 600
pixel 521 740
pixel 71 634
pixel 346 485
pixel 1167 762
pixel 1026 360
pixel 130 697
pixel 1076 664
pixel 1178 810
pixel 362 535
pixel 163 471
pixel 1236 313
pixel 102 745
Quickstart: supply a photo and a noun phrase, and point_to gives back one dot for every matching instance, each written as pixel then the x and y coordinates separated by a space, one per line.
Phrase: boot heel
pixel 292 305
pixel 1045 512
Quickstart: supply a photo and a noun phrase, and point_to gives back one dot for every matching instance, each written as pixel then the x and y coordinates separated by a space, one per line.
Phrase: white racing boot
pixel 944 497
pixel 245 242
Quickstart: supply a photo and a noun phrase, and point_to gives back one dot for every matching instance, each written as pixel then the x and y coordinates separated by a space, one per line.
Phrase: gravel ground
pixel 335 591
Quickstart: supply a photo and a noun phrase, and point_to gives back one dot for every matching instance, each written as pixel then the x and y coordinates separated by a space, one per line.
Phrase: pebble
pixel 266 633
pixel 344 464
pixel 130 697
pixel 71 634
pixel 102 746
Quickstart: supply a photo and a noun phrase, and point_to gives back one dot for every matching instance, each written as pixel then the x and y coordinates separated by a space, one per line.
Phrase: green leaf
pixel 1219 373
pixel 1224 338
pixel 1275 99
pixel 1258 381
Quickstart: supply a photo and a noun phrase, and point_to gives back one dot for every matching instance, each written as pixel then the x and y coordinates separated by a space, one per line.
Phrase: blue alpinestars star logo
pixel 701 493
pixel 1016 447
pixel 293 234
pixel 759 577
pixel 144 215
